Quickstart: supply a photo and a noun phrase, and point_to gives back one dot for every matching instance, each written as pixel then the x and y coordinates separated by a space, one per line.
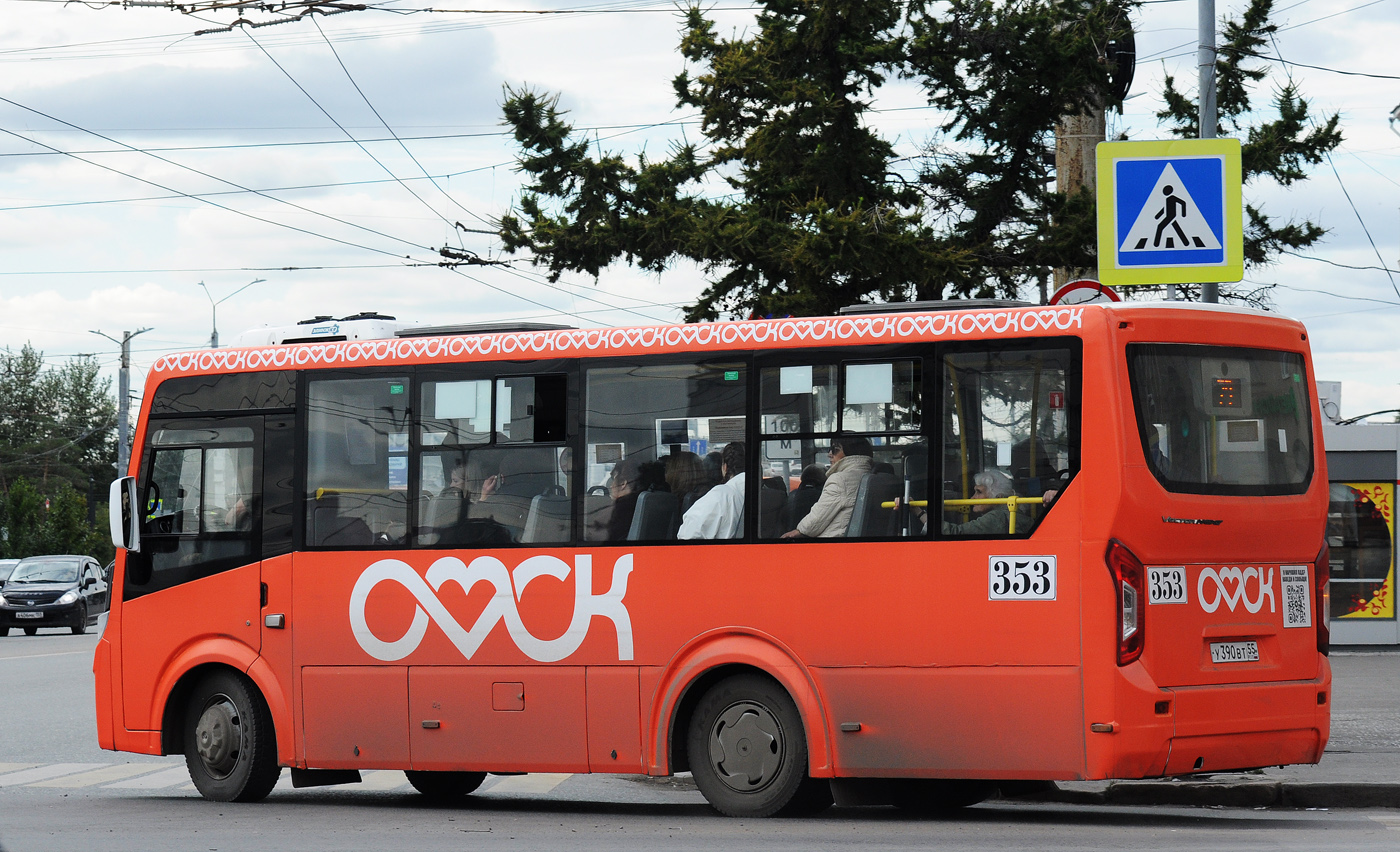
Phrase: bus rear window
pixel 1217 420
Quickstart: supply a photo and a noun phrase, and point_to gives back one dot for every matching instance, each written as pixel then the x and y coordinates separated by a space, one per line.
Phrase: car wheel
pixel 30 631
pixel 80 626
pixel 230 744
pixel 445 786
pixel 748 751
pixel 4 631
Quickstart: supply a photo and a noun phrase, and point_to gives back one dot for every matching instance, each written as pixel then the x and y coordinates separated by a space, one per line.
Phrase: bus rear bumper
pixel 1166 731
pixel 1246 726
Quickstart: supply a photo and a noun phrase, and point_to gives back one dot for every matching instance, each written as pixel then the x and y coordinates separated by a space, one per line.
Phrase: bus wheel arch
pixel 714 657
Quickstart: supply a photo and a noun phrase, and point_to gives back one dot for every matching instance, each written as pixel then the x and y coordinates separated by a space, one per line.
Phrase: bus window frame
pixel 1074 418
pixel 303 451
pixel 252 418
pixel 492 372
pixel 1171 486
pixel 880 353
pixel 697 357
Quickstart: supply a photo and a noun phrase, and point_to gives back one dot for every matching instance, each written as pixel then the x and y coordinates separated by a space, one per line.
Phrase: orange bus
pixel 1052 543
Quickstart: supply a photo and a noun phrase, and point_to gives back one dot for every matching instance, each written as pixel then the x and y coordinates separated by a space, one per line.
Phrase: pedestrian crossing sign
pixel 1170 212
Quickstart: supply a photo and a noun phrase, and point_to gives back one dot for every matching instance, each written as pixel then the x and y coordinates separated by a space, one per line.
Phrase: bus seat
pixel 655 516
pixel 772 512
pixel 440 512
pixel 800 503
pixel 597 510
pixel 342 531
pixel 547 521
pixel 868 518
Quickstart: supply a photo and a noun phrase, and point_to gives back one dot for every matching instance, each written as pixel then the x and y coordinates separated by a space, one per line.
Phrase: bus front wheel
pixel 748 752
pixel 230 744
pixel 445 786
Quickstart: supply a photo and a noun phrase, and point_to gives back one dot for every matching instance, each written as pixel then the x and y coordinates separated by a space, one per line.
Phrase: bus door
pixel 195 578
pixel 380 681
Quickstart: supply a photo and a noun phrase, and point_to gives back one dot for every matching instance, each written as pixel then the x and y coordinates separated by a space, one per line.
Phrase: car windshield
pixel 45 571
pixel 7 567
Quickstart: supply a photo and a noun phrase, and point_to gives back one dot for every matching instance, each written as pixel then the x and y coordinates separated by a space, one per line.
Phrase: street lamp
pixel 214 307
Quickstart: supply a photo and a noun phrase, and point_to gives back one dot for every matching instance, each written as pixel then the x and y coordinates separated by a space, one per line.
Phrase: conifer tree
pixel 791 203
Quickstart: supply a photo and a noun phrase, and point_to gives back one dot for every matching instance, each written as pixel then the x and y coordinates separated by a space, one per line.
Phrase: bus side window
pixel 487 476
pixel 357 462
pixel 199 509
pixel 654 450
pixel 808 408
pixel 1006 438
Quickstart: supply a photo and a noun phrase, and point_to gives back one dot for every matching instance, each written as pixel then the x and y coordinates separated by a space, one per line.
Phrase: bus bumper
pixel 1220 728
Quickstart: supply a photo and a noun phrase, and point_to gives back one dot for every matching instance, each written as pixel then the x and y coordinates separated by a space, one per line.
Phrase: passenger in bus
pixel 720 513
pixel 991 518
pixel 831 514
pixel 473 521
pixel 687 478
pixel 624 486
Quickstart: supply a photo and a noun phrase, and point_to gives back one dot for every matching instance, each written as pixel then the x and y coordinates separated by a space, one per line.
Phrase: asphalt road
pixel 59 791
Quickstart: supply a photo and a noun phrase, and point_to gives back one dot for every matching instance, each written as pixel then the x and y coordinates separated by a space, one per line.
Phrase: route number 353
pixel 1021 578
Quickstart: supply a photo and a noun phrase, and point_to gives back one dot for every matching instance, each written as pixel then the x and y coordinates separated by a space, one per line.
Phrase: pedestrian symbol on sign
pixel 1169 220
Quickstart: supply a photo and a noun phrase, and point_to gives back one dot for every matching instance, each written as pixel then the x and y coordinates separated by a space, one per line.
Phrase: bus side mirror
pixel 122 516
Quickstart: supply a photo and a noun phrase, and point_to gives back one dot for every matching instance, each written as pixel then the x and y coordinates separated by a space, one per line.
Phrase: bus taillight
pixel 1129 578
pixel 1322 597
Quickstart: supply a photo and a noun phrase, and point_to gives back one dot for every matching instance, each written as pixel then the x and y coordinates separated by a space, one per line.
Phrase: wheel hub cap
pixel 747 747
pixel 218 737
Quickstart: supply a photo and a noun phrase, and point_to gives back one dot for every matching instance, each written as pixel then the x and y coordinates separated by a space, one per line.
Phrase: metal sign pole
pixel 1205 88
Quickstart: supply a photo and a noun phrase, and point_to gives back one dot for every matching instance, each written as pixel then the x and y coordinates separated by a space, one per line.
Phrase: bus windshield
pixel 1216 420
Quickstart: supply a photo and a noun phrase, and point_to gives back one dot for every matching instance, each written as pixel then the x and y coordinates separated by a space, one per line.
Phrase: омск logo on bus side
pixel 502 606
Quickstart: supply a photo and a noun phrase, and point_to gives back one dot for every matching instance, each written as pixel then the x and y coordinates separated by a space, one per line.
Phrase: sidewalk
pixel 1359 769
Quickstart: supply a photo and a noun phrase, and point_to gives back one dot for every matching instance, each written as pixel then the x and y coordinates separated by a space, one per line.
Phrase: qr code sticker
pixel 1297 596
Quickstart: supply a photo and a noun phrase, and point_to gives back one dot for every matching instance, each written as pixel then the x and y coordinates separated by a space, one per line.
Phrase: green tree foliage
pixel 1277 147
pixel 792 203
pixel 1003 74
pixel 57 434
pixel 57 424
pixel 789 205
pixel 34 524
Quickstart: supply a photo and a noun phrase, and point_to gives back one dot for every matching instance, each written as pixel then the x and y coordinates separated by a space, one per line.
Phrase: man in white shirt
pixel 720 513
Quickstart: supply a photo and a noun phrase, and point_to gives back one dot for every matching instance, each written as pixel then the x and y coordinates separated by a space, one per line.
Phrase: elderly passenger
pixel 831 514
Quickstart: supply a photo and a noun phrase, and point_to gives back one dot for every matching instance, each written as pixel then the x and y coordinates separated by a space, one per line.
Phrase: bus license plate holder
pixel 1234 652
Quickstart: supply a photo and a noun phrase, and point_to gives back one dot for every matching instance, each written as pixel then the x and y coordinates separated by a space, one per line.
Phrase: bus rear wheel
pixel 230 744
pixel 445 786
pixel 748 752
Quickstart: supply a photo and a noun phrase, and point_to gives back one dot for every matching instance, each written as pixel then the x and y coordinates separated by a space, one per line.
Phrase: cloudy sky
pixel 138 159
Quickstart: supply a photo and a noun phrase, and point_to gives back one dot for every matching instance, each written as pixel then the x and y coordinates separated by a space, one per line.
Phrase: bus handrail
pixel 1009 502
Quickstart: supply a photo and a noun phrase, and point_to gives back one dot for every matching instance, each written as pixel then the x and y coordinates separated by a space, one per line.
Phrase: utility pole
pixel 1077 136
pixel 1205 89
pixel 1076 166
pixel 214 306
pixel 123 397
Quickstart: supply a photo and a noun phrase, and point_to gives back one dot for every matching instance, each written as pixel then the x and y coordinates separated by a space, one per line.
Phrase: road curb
pixel 1229 794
